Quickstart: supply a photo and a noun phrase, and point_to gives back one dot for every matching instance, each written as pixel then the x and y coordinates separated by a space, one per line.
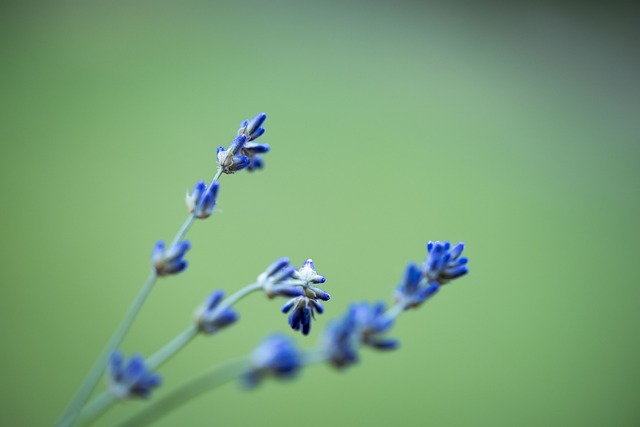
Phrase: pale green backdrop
pixel 513 128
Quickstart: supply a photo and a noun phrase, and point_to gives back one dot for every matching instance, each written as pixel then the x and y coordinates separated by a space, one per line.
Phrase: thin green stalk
pixel 237 296
pixel 100 364
pixel 183 230
pixel 394 311
pixel 165 353
pixel 96 408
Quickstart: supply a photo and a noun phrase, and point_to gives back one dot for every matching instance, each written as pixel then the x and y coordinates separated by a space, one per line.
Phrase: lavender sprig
pixel 363 325
pixel 200 205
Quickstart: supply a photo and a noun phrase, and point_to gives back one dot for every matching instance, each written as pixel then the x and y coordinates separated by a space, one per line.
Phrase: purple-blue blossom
pixel 229 159
pixel 276 356
pixel 304 308
pixel 170 261
pixel 444 263
pixel 372 323
pixel 202 200
pixel 210 318
pixel 253 129
pixel 275 280
pixel 130 378
pixel 340 342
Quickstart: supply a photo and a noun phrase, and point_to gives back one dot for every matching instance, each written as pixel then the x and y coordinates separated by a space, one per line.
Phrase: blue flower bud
pixel 340 340
pixel 304 307
pixel 229 160
pixel 170 261
pixel 444 263
pixel 210 319
pixel 307 273
pixel 274 280
pixel 131 379
pixel 193 199
pixel 371 323
pixel 276 356
pixel 252 129
pixel 204 209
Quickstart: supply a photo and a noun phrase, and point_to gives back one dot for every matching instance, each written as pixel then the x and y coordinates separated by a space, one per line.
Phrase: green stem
pixel 394 311
pixel 183 230
pixel 165 353
pixel 94 410
pixel 237 296
pixel 100 364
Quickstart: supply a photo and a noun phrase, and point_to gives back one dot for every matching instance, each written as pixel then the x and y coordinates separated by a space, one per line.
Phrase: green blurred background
pixel 513 128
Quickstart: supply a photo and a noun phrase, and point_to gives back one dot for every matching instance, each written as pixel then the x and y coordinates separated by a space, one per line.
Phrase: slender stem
pixel 208 380
pixel 94 410
pixel 100 364
pixel 183 230
pixel 165 353
pixel 394 311
pixel 237 296
pixel 216 177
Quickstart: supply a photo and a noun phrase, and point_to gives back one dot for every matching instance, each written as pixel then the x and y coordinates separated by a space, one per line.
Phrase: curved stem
pixel 165 353
pixel 100 364
pixel 94 410
pixel 206 381
pixel 237 296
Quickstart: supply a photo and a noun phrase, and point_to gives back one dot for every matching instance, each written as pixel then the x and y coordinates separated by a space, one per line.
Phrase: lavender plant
pixel 363 324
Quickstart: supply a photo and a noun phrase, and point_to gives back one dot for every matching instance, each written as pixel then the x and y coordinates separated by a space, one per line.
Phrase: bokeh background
pixel 513 127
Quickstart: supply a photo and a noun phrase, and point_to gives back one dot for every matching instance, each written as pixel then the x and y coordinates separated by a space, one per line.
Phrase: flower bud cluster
pixel 244 152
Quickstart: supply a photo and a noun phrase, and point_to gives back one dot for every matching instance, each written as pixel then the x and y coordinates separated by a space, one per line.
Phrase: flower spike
pixel 444 263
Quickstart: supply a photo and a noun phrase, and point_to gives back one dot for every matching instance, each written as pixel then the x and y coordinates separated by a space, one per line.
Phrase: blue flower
pixel 210 319
pixel 305 307
pixel 253 129
pixel 276 356
pixel 129 379
pixel 362 324
pixel 414 289
pixel 444 263
pixel 202 200
pixel 371 323
pixel 340 340
pixel 170 261
pixel 229 160
pixel 274 280
pixel 307 273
